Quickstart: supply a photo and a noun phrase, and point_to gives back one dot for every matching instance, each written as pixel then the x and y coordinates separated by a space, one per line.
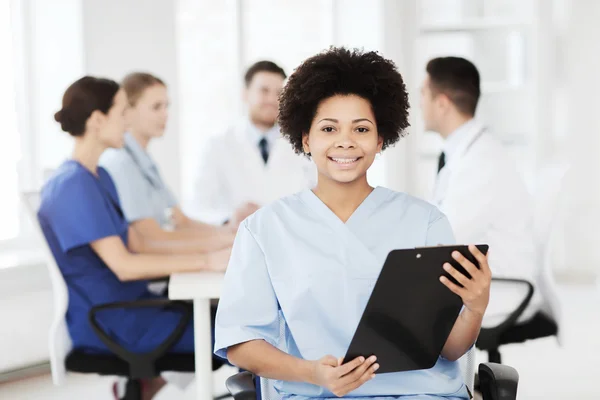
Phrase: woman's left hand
pixel 475 292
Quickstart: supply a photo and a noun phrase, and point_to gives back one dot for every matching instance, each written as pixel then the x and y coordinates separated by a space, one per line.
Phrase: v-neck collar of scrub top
pixel 142 159
pixel 364 260
pixel 360 213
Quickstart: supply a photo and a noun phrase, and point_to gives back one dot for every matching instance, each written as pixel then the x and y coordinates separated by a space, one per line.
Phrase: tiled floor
pixel 83 387
pixel 546 370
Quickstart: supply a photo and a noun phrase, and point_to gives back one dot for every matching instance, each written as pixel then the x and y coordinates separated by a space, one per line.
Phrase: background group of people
pixel 289 213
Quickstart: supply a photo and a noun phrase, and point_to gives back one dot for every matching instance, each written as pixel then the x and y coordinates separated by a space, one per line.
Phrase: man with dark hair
pixel 250 165
pixel 263 66
pixel 478 186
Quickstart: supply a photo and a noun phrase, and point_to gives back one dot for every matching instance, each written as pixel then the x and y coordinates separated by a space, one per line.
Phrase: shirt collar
pixel 139 155
pixel 455 139
pixel 256 134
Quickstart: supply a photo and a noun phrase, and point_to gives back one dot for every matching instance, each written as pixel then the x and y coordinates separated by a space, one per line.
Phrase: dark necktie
pixel 263 145
pixel 441 162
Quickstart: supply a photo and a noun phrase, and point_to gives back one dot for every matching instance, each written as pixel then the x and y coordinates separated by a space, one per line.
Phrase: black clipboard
pixel 410 313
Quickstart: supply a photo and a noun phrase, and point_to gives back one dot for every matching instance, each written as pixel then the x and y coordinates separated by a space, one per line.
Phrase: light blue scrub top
pixel 141 189
pixel 296 260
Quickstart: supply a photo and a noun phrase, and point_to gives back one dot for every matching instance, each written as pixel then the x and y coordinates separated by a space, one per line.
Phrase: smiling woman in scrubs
pixel 101 259
pixel 148 204
pixel 312 259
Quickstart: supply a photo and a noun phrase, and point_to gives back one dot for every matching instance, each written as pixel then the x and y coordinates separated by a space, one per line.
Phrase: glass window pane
pixel 499 55
pixel 286 32
pixel 10 151
pixel 209 90
pixel 504 112
pixel 458 11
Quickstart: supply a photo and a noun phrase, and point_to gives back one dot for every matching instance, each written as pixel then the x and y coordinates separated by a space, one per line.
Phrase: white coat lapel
pixel 249 182
pixel 251 152
pixel 444 177
pixel 441 185
pixel 279 154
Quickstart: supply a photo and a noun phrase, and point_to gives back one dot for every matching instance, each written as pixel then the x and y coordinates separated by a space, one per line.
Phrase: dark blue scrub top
pixel 78 208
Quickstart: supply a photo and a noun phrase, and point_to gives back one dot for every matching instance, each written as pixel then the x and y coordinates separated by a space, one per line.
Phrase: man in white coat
pixel 251 165
pixel 478 186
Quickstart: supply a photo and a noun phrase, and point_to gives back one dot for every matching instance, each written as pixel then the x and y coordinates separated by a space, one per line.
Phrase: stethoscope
pixel 476 138
pixel 153 180
pixel 471 143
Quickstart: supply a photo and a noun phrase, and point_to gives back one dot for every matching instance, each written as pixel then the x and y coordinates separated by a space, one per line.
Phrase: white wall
pixel 399 45
pixel 26 315
pixel 56 60
pixel 138 35
pixel 581 142
pixel 211 82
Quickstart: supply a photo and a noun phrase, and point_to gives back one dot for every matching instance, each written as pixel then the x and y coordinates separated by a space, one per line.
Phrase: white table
pixel 200 287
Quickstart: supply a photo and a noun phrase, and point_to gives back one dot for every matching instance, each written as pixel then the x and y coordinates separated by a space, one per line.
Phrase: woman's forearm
pixel 172 244
pixel 463 335
pixel 150 266
pixel 268 362
pixel 146 236
pixel 128 266
pixel 199 227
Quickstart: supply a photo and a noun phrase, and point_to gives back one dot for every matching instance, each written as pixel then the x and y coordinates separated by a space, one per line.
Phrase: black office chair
pixel 133 366
pixel 548 215
pixel 498 382
pixel 509 331
pixel 136 366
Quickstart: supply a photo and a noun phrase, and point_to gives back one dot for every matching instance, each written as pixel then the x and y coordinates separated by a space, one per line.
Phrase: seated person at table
pixel 312 259
pixel 147 202
pixel 100 257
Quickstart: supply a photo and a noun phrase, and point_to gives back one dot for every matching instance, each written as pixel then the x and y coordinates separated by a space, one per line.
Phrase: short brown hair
pixel 263 66
pixel 81 99
pixel 458 79
pixel 136 83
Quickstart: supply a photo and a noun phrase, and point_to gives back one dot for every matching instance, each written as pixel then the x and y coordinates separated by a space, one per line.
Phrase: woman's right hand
pixel 218 260
pixel 341 379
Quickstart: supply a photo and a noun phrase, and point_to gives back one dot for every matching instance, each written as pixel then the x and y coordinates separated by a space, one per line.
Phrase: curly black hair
pixel 340 71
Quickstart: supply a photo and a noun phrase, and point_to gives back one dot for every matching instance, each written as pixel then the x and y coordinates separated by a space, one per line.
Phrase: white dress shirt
pixel 486 201
pixel 232 172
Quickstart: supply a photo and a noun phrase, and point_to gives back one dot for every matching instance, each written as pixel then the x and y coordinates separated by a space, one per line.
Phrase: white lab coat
pixel 486 201
pixel 232 172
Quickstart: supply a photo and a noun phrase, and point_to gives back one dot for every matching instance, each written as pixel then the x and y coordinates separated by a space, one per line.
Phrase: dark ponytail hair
pixel 81 99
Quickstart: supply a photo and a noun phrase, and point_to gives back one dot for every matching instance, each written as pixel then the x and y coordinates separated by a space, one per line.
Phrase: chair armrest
pixel 498 381
pixel 153 284
pixel 495 332
pixel 242 386
pixel 142 365
pixel 160 280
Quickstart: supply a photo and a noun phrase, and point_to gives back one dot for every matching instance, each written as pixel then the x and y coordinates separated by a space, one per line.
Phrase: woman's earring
pixel 377 156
